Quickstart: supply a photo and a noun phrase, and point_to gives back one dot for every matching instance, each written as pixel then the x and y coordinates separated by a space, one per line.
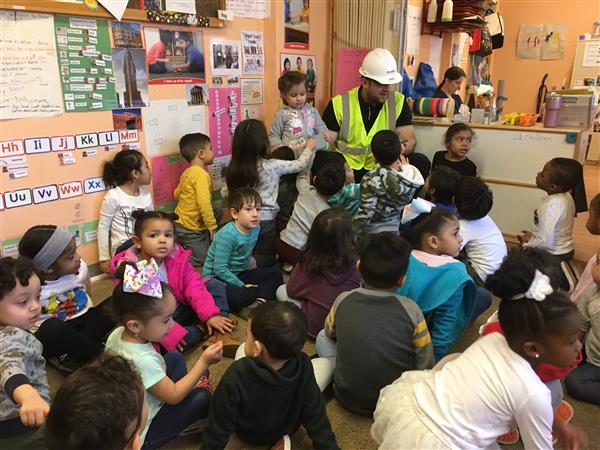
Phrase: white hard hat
pixel 380 65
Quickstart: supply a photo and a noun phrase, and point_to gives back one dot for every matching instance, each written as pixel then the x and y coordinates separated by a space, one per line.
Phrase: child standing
pixel 311 201
pixel 24 391
pixel 553 219
pixel 540 326
pixel 326 268
pixel 272 391
pixel 108 396
pixel 440 186
pixel 197 299
pixel 483 242
pixel 128 174
pixel 69 327
pixel 435 280
pixel 385 189
pixel 175 397
pixel 584 382
pixel 249 167
pixel 196 224
pixel 296 121
pixel 379 334
pixel 230 254
pixel 457 140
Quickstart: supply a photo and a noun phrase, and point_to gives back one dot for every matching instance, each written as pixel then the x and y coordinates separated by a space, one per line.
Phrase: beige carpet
pixel 351 430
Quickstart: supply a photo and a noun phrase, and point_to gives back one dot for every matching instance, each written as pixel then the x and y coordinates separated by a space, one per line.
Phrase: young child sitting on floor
pixel 144 306
pixel 373 335
pixel 435 280
pixel 440 186
pixel 202 307
pixel 553 219
pixel 108 396
pixel 470 400
pixel 457 140
pixel 583 383
pixel 349 196
pixel 70 329
pixel 483 243
pixel 24 391
pixel 230 254
pixel 197 221
pixel 311 201
pixel 593 226
pixel 385 189
pixel 272 391
pixel 326 268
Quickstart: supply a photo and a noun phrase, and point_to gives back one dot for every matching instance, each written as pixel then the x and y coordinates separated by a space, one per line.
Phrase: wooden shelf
pixel 76 8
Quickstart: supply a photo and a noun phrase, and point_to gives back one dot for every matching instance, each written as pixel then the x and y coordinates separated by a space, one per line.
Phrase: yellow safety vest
pixel 352 141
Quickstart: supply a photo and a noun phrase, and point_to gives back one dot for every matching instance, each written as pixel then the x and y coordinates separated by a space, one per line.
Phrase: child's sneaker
pixel 203 383
pixel 245 312
pixel 65 363
pixel 283 444
pixel 512 437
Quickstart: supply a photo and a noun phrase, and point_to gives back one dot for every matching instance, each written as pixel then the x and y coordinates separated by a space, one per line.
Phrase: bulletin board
pixel 52 151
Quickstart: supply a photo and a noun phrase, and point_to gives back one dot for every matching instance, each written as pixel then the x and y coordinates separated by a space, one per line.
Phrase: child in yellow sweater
pixel 196 225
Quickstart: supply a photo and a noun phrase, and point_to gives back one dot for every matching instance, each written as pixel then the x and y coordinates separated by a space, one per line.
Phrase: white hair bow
pixel 415 208
pixel 538 290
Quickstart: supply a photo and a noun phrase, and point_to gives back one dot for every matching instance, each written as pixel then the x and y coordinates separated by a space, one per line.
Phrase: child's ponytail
pixel 118 171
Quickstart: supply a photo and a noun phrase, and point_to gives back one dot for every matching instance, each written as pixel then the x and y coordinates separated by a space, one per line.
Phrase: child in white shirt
pixel 482 243
pixel 553 219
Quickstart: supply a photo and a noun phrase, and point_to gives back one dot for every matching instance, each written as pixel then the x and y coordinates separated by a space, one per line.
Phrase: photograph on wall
pixel 252 91
pixel 131 79
pixel 233 81
pixel 197 94
pixel 296 13
pixel 253 52
pixel 174 57
pixel 127 119
pixel 307 64
pixel 217 81
pixel 127 34
pixel 225 57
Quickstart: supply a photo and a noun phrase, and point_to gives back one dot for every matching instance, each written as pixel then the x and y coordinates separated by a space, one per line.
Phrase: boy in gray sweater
pixel 296 121
pixel 24 393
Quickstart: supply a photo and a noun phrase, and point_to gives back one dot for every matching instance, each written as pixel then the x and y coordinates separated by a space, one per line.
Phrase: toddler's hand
pixel 311 144
pixel 403 160
pixel 212 234
pixel 220 324
pixel 105 266
pixel 525 237
pixel 571 437
pixel 34 410
pixel 328 137
pixel 212 354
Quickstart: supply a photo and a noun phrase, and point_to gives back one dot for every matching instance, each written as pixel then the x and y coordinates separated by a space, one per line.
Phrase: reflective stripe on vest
pixel 356 156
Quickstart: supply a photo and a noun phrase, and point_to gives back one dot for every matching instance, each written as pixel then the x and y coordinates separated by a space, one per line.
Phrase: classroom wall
pixel 523 76
pixel 45 168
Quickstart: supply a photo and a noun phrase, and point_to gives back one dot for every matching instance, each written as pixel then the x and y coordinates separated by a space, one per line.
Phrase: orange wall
pixel 44 168
pixel 523 76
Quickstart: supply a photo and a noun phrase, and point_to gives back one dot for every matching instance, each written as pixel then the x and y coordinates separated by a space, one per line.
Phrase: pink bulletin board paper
pixel 166 171
pixel 224 115
pixel 349 61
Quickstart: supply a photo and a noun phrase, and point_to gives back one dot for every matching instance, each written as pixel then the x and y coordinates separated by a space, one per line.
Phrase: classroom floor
pixel 353 431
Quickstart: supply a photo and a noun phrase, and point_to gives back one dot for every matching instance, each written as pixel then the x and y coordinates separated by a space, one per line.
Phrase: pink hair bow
pixel 144 279
pixel 415 208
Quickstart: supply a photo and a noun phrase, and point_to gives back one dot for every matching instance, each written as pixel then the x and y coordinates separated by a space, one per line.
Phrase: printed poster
pixel 253 52
pixel 252 91
pixel 28 49
pixel 252 9
pixel 349 61
pixel 306 64
pixel 85 60
pixel 225 57
pixel 295 16
pixel 174 57
pixel 127 34
pixel 224 115
pixel 131 79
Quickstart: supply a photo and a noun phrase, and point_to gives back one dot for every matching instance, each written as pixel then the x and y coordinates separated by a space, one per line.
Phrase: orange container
pixel 528 120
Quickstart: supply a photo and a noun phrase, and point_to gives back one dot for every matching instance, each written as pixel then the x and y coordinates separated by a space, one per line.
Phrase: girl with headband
pixel 70 328
pixel 468 401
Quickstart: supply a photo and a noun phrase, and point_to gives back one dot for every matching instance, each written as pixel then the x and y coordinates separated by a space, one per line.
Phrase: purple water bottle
pixel 553 102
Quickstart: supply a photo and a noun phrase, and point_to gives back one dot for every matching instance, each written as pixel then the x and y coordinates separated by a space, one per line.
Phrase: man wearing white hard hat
pixel 357 115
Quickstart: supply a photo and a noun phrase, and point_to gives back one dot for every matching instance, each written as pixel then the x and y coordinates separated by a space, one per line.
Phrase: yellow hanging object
pixel 91 4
